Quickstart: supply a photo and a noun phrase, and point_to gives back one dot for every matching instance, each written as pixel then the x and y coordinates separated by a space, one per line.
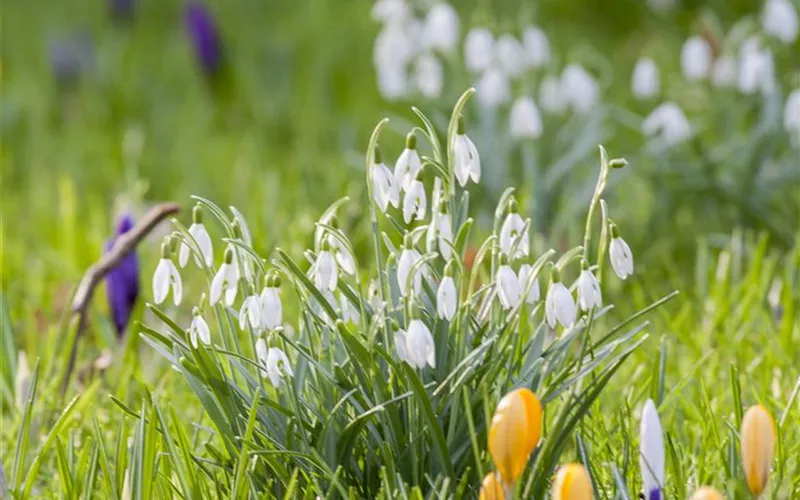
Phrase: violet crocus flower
pixel 122 282
pixel 203 33
pixel 122 10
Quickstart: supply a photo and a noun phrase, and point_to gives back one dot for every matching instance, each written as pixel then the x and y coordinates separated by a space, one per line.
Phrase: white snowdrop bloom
pixel 696 57
pixel 408 163
pixel 400 345
pixel 326 271
pixel 619 253
pixel 537 47
pixel 225 281
pixel 166 277
pixel 551 97
pixel 651 451
pixel 271 305
pixel 439 236
pixel 429 76
pixel 791 114
pixel 558 305
pixel 197 231
pixel 509 290
pixel 393 46
pixel 525 120
pixel 441 28
pixel 510 56
pixel 374 297
pixel 514 240
pixel 420 349
pixel 668 123
pixel 533 292
pixel 250 313
pixel 756 68
pixel 343 256
pixel 646 80
pixel 466 158
pixel 275 361
pixel 390 11
pixel 22 381
pixel 392 81
pixel 408 257
pixel 493 89
pixel 478 49
pixel 384 188
pixel 349 311
pixel 589 295
pixel 199 330
pixel 724 72
pixel 580 89
pixel 779 19
pixel 415 202
pixel 447 298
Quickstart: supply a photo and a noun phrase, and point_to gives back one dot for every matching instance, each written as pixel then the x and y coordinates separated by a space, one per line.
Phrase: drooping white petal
pixel 261 356
pixel 445 232
pixel 533 293
pixel 493 89
pixel 696 57
pixel 161 280
pixel 478 49
pixel 579 88
pixel 225 281
pixel 525 122
pixel 429 76
pixel 277 366
pixel 408 257
pixel 467 160
pixel 441 28
pixel 203 239
pixel 326 274
pixel 415 202
pixel 406 168
pixel 343 256
pixel 447 299
pixel 559 306
pixel 651 450
pixel 537 46
pixel 756 68
pixel 349 311
pixel 619 253
pixel 199 330
pixel 509 290
pixel 176 283
pixel 779 19
pixel 668 123
pixel 645 82
pixel 514 235
pixel 589 295
pixel 385 190
pixel 510 56
pixel 420 348
pixel 250 313
pixel 400 345
pixel 271 308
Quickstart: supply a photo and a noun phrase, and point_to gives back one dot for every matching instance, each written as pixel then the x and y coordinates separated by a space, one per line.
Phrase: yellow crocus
pixel 758 447
pixel 492 488
pixel 572 483
pixel 706 493
pixel 514 432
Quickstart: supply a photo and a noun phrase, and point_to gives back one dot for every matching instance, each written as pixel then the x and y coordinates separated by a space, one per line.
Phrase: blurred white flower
pixel 589 294
pixel 509 290
pixel 349 311
pixel 651 451
pixel 662 5
pixel 441 28
pixel 439 236
pixel 429 76
pixel 166 277
pixel 250 313
pixel 534 293
pixel 415 202
pixel 559 306
pixel 791 115
pixel 408 164
pixel 724 72
pixel 756 68
pixel 22 381
pixel 271 307
pixel 514 234
pixel 343 256
pixel 394 46
pixel 493 88
pixel 668 123
pixel 325 269
pixel 525 120
pixel 420 349
pixel 466 158
pixel 384 188
pixel 225 281
pixel 510 56
pixel 392 81
pixel 197 231
pixel 696 58
pixel 537 46
pixel 408 257
pixel 551 98
pixel 400 344
pixel 478 49
pixel 390 11
pixel 580 90
pixel 447 299
pixel 646 80
pixel 779 19
pixel 619 253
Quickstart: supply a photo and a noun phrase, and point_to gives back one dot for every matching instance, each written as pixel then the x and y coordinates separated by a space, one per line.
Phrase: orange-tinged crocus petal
pixel 514 432
pixel 572 483
pixel 758 447
pixel 492 488
pixel 706 493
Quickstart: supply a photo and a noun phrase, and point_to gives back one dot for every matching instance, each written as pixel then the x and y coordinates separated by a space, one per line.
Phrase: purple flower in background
pixel 70 56
pixel 122 282
pixel 122 10
pixel 204 36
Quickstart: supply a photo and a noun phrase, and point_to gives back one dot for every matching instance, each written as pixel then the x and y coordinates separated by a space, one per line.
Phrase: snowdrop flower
pixel 420 349
pixel 197 231
pixel 439 236
pixel 374 297
pixel 429 76
pixel 525 120
pixel 326 272
pixel 225 281
pixel 339 248
pixel 509 290
pixel 271 305
pixel 551 98
pixel 559 306
pixel 791 114
pixel 408 164
pixel 250 313
pixel 415 202
pixel 478 49
pixel 389 11
pixel 400 343
pixel 669 123
pixel 198 330
pixel 724 72
pixel 274 361
pixel 447 296
pixel 510 55
pixel 533 292
pixel 493 89
pixel 441 28
pixel 166 277
pixel 651 452
pixel 22 381
pixel 580 88
pixel 384 188
pixel 392 81
pixel 619 253
pixel 408 257
pixel 646 82
pixel 349 311
pixel 572 482
pixel 514 240
pixel 466 158
pixel 779 19
pixel 696 58
pixel 589 295
pixel 758 447
pixel 537 46
pixel 756 68
pixel 242 260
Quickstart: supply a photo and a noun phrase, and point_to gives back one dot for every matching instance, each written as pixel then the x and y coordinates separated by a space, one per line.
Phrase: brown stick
pixel 123 245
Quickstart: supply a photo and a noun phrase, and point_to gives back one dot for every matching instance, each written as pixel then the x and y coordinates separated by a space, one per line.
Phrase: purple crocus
pixel 204 36
pixel 122 10
pixel 70 56
pixel 122 282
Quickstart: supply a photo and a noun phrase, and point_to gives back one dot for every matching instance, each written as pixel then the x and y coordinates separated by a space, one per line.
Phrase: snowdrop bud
pixel 724 72
pixel 619 253
pixel 441 28
pixel 197 231
pixel 509 290
pixel 22 381
pixel 510 56
pixel 572 482
pixel 645 82
pixel 408 163
pixel 420 349
pixel 706 493
pixel 651 452
pixel 696 58
pixel 478 49
pixel 580 89
pixel 758 447
pixel 467 161
pixel 493 89
pixel 537 46
pixel 551 98
pixel 492 488
pixel 779 19
pixel 199 329
pixel 415 202
pixel 618 163
pixel 589 295
pixel 326 272
pixel 429 76
pixel 559 306
pixel 447 296
pixel 756 68
pixel 791 115
pixel 166 278
pixel 668 123
pixel 514 432
pixel 384 188
pixel 225 281
pixel 525 120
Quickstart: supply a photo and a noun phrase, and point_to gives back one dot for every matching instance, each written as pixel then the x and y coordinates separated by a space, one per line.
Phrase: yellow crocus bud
pixel 492 488
pixel 572 483
pixel 706 493
pixel 514 432
pixel 758 447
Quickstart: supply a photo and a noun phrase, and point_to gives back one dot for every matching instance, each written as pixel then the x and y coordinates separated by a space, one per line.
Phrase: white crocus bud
pixel 619 253
pixel 493 89
pixel 384 188
pixel 225 281
pixel 589 295
pixel 429 76
pixel 447 295
pixel 580 89
pixel 415 202
pixel 696 58
pixel 510 56
pixel 756 68
pixel 533 293
pixel 197 231
pixel 668 123
pixel 408 257
pixel 724 72
pixel 466 158
pixel 420 349
pixel 537 47
pixel 779 19
pixel 478 49
pixel 325 269
pixel 514 239
pixel 645 83
pixel 408 163
pixel 166 277
pixel 199 330
pixel 551 97
pixel 525 120
pixel 271 305
pixel 22 381
pixel 791 115
pixel 559 306
pixel 509 290
pixel 651 452
pixel 441 28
